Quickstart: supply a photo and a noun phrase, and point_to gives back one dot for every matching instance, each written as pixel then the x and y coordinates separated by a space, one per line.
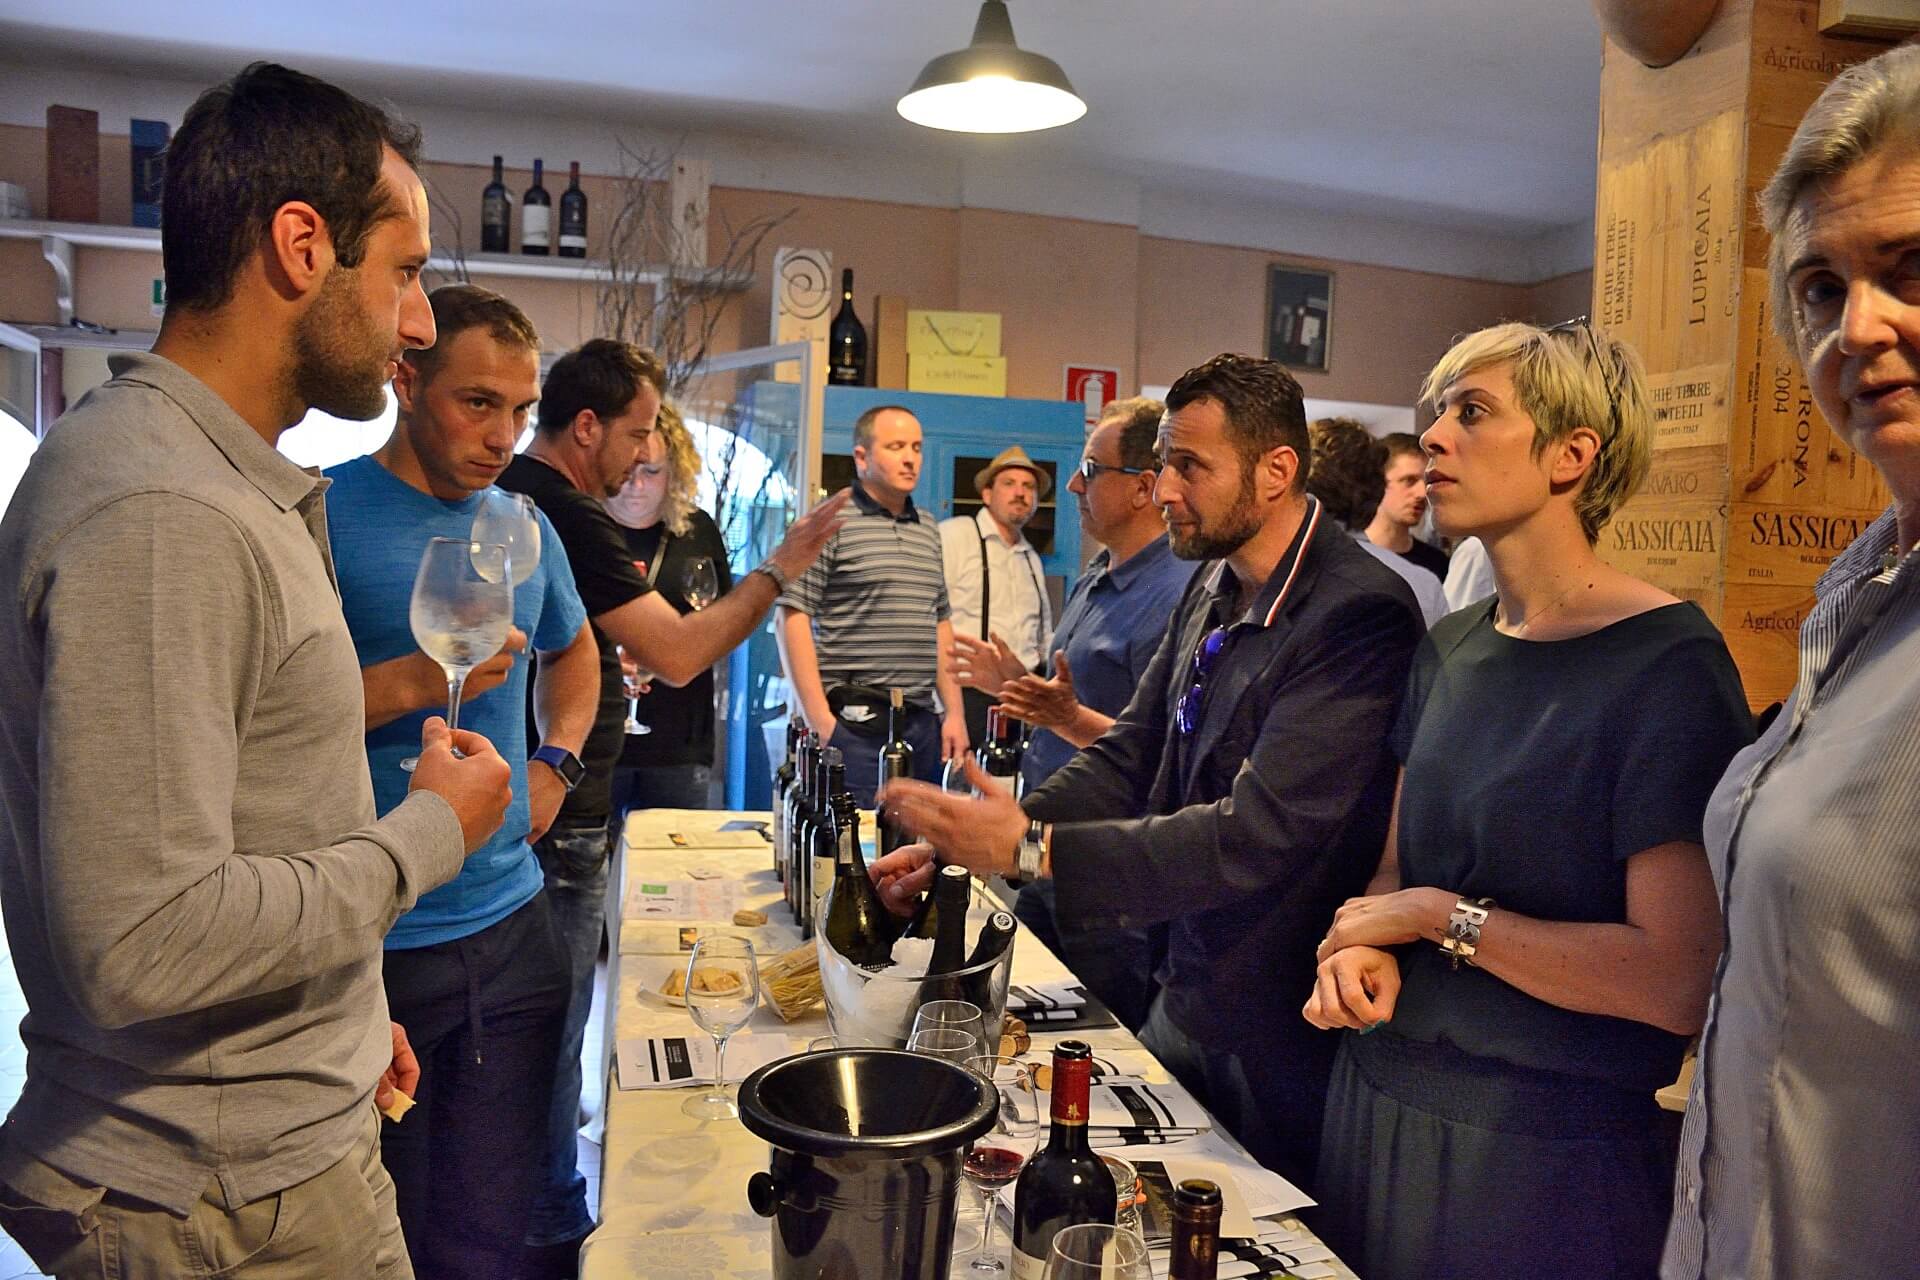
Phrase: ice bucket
pixel 877 1009
pixel 867 1149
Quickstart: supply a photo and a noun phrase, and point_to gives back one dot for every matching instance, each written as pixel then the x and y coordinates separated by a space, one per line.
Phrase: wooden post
pixel 1751 496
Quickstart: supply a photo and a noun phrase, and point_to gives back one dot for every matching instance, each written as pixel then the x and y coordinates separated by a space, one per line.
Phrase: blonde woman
pixel 670 766
pixel 1537 944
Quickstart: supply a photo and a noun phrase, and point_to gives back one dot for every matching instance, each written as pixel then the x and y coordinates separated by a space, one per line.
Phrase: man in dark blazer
pixel 1245 791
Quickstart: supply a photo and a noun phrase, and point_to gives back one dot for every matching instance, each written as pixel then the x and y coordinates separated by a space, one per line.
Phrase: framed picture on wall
pixel 1299 316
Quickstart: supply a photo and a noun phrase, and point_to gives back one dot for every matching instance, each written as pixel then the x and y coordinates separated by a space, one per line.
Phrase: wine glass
pixel 701 585
pixel 630 685
pixel 723 988
pixel 962 1015
pixel 1097 1251
pixel 462 606
pixel 949 1044
pixel 998 1155
pixel 509 519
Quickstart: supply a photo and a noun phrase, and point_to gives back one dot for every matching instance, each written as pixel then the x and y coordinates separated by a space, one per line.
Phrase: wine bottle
pixel 1196 1230
pixel 896 762
pixel 536 214
pixel 782 781
pixel 857 925
pixel 995 937
pixel 820 870
pixel 1000 754
pixel 496 215
pixel 800 833
pixel 847 341
pixel 952 891
pixel 1066 1184
pixel 573 216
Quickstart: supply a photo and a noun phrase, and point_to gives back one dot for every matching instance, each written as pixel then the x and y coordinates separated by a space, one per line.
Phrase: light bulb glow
pixel 991 104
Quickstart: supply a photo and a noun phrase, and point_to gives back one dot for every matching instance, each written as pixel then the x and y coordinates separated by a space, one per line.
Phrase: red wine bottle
pixel 782 784
pixel 496 215
pixel 536 217
pixel 847 341
pixel 800 835
pixel 896 762
pixel 573 216
pixel 1000 754
pixel 952 890
pixel 1066 1184
pixel 1196 1230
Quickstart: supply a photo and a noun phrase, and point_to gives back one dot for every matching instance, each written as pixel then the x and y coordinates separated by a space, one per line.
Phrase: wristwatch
pixel 562 762
pixel 773 571
pixel 1463 929
pixel 1027 858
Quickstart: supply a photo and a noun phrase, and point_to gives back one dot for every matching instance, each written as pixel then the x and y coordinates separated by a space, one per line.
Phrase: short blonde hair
pixel 1868 106
pixel 1562 387
pixel 683 469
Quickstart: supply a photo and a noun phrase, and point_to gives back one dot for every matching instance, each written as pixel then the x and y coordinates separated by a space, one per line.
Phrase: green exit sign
pixel 159 296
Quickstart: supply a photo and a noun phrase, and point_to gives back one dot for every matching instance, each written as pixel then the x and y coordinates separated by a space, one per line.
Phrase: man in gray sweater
pixel 194 879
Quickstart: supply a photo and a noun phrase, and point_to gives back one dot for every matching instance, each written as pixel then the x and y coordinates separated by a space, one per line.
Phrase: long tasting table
pixel 673 1201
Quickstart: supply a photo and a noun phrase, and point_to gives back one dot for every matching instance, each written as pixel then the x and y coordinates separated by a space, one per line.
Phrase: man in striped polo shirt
pixel 872 615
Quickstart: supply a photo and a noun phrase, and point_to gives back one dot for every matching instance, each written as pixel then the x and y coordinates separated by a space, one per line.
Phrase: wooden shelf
pixel 524 266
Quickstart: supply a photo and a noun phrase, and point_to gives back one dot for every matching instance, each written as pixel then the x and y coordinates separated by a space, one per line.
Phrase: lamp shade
pixel 992 86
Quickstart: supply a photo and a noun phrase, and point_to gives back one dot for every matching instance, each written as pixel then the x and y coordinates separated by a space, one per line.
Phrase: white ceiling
pixel 1472 115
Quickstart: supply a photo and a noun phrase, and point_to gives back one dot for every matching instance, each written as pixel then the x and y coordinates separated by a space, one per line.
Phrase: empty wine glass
pixel 949 1044
pixel 701 586
pixel 1097 1251
pixel 998 1155
pixel 630 682
pixel 509 519
pixel 461 608
pixel 723 989
pixel 962 1015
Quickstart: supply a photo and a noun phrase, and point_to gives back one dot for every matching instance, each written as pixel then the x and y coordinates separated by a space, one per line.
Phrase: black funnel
pixel 867 1148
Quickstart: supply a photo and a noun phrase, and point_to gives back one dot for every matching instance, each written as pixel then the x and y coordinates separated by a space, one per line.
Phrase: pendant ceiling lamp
pixel 992 85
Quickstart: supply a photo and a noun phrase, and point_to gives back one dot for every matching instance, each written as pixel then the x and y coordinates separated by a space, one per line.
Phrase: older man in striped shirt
pixel 872 615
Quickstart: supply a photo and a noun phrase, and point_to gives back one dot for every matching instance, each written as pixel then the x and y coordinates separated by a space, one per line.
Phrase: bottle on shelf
pixel 847 340
pixel 496 214
pixel 1196 1230
pixel 858 925
pixel 896 762
pixel 996 935
pixel 782 783
pixel 573 216
pixel 536 217
pixel 1000 754
pixel 952 891
pixel 1066 1184
pixel 821 850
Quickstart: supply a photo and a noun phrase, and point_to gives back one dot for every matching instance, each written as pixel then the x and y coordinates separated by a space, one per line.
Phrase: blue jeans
pixel 575 861
pixel 861 754
pixel 658 786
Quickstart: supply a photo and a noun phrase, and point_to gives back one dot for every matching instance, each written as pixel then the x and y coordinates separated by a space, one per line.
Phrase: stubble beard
pixel 1232 532
pixel 340 362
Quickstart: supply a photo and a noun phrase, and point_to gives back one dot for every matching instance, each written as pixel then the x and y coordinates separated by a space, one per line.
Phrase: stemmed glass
pixel 508 519
pixel 998 1155
pixel 723 989
pixel 961 1015
pixel 701 586
pixel 1097 1251
pixel 949 1044
pixel 462 606
pixel 630 685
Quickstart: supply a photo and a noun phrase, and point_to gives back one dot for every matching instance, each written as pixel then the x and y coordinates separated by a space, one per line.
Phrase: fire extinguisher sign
pixel 1094 386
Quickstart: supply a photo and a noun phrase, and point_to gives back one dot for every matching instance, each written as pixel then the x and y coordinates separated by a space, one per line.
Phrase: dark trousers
pixel 658 786
pixel 483 1014
pixel 862 754
pixel 975 704
pixel 1272 1098
pixel 1115 964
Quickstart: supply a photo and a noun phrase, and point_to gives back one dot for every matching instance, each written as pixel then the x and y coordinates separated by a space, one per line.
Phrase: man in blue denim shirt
pixel 1115 618
pixel 474 971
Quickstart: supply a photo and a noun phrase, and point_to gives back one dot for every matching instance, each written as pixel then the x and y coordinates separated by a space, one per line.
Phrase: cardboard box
pixel 953 333
pixel 73 164
pixel 958 375
pixel 889 340
pixel 149 139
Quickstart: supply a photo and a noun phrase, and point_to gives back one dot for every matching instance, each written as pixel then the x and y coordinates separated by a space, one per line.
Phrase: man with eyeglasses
pixel 1244 792
pixel 1114 620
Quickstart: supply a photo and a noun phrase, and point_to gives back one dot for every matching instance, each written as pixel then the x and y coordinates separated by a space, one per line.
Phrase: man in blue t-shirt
pixel 474 971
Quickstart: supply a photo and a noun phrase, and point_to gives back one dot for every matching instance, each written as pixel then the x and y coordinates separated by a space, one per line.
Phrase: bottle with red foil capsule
pixel 1066 1184
pixel 1196 1230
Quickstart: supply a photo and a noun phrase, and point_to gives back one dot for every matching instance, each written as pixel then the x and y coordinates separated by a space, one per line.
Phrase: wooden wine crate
pixel 1674 545
pixel 1770 545
pixel 1762 627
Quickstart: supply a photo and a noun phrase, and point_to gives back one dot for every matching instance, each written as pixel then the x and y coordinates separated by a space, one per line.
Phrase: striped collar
pixel 868 507
pixel 1225 587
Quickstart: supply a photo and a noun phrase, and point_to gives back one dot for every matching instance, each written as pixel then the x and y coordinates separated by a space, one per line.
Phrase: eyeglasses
pixel 1584 325
pixel 1090 470
pixel 1187 716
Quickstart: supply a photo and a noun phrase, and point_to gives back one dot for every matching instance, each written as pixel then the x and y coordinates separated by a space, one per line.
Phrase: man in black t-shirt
pixel 597 407
pixel 1404 505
